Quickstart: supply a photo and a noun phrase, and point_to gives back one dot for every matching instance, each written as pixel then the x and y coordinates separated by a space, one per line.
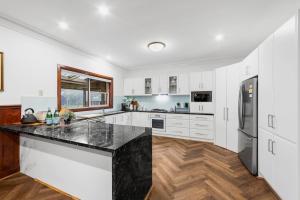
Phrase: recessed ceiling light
pixel 63 25
pixel 103 10
pixel 156 46
pixel 108 57
pixel 219 37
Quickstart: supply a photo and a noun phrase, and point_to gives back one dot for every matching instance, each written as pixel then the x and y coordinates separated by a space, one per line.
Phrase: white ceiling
pixel 188 27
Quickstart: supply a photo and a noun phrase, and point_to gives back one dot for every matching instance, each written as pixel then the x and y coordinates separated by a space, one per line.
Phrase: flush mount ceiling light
pixel 219 37
pixel 63 25
pixel 156 46
pixel 103 10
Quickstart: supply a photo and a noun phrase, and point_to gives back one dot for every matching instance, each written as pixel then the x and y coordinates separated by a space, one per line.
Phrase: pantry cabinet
pixel 227 91
pixel 202 81
pixel 278 110
pixel 278 82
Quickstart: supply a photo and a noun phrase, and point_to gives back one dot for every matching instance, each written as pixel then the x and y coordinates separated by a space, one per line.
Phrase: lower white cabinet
pixel 278 164
pixel 177 125
pixel 202 127
pixel 140 119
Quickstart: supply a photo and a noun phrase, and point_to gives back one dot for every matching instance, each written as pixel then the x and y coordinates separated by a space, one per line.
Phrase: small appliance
pixel 158 122
pixel 201 96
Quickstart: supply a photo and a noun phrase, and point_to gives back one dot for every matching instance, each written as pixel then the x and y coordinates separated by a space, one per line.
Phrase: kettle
pixel 29 118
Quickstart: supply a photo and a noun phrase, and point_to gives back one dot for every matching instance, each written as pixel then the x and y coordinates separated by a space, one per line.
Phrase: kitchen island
pixel 88 159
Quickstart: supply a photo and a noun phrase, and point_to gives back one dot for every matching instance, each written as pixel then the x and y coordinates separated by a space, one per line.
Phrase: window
pixel 80 90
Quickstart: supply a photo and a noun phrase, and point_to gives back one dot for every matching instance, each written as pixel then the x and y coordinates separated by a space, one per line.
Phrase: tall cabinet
pixel 227 90
pixel 279 110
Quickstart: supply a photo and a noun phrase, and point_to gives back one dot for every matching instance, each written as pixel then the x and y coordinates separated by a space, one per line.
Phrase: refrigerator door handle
pixel 239 110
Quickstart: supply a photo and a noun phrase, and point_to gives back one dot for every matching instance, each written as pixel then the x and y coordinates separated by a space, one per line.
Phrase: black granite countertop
pixel 87 133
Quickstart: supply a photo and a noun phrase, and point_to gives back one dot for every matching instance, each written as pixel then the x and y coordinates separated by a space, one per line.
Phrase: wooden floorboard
pixel 190 170
pixel 182 170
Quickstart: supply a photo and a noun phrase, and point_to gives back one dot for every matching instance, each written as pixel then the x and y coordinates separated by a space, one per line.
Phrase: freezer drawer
pixel 248 152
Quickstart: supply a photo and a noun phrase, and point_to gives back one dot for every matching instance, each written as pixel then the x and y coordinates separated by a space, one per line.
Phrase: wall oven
pixel 158 122
pixel 201 96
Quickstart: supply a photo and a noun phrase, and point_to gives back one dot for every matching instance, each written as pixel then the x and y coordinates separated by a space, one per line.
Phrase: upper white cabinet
pixel 227 91
pixel 285 77
pixel 278 84
pixel 250 66
pixel 134 87
pixel 163 84
pixel 201 81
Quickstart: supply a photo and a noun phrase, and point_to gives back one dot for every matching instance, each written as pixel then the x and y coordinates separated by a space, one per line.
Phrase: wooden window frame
pixel 73 69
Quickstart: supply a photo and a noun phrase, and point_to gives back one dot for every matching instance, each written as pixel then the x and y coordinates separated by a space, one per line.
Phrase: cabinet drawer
pixel 178 116
pixel 203 134
pixel 177 123
pixel 201 117
pixel 178 131
pixel 208 125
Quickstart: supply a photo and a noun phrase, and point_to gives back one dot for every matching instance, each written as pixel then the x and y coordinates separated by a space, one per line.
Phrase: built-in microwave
pixel 201 96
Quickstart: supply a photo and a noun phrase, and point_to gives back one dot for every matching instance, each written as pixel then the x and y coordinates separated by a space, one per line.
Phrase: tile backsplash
pixel 161 101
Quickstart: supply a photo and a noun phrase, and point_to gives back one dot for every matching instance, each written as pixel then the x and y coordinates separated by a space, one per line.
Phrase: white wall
pixel 30 64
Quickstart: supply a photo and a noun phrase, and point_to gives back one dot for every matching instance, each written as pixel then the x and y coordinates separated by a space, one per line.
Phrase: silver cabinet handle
pixel 227 110
pixel 224 113
pixel 199 108
pixel 273 142
pixel 269 120
pixel 269 145
pixel 273 117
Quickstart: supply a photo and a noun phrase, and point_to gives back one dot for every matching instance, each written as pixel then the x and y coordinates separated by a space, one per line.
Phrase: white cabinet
pixel 227 91
pixel 134 87
pixel 160 85
pixel 278 110
pixel 141 119
pixel 285 80
pixel 201 81
pixel 116 119
pixel 265 87
pixel 202 127
pixel 204 107
pixel 278 83
pixel 278 164
pixel 183 85
pixel 177 125
pixel 250 66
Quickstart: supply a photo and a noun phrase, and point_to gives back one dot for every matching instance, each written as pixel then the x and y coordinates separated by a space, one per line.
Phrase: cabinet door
pixel 164 84
pixel 232 106
pixel 207 108
pixel 221 104
pixel 265 156
pixel 138 85
pixel 195 81
pixel 195 107
pixel 266 95
pixel 285 169
pixel 173 82
pixel 128 87
pixel 250 66
pixel 183 84
pixel 285 71
pixel 155 85
pixel 207 81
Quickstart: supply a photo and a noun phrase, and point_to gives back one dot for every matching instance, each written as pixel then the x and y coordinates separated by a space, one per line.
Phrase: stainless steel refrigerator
pixel 248 124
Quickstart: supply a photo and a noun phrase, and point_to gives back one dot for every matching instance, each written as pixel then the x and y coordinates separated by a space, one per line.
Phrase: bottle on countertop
pixel 56 118
pixel 49 118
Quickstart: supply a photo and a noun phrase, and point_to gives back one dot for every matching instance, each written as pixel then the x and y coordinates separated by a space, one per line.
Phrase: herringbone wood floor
pixel 188 170
pixel 182 170
pixel 22 187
